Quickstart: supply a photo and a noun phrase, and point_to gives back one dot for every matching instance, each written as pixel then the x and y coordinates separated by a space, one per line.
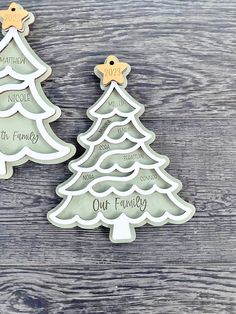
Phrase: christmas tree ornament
pixel 25 111
pixel 119 182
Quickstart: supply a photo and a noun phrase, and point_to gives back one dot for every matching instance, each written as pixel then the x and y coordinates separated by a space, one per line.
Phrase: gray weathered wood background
pixel 183 58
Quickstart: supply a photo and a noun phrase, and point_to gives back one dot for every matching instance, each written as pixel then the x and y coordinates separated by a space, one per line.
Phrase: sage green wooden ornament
pixel 25 111
pixel 119 182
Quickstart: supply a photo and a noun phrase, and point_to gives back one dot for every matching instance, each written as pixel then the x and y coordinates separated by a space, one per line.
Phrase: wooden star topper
pixel 113 70
pixel 14 16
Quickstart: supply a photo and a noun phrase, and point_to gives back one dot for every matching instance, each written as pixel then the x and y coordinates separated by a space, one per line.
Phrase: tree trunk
pixel 3 170
pixel 121 230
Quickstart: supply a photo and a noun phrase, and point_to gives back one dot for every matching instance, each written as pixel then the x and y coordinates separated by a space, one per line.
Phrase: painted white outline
pixel 116 166
pixel 76 166
pixel 100 218
pixel 29 82
pixel 18 107
pixel 13 87
pixel 13 34
pixel 105 136
pixel 26 151
pixel 123 222
pixel 49 111
pixel 174 185
pixel 115 111
pixel 130 118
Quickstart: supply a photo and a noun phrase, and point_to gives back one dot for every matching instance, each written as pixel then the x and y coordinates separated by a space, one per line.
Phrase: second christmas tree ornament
pixel 119 182
pixel 25 111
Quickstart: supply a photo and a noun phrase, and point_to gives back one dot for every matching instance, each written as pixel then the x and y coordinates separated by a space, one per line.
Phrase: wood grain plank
pixel 182 53
pixel 197 243
pixel 183 62
pixel 171 290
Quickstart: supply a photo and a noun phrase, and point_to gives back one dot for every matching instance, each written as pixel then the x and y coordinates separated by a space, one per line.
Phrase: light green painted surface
pixel 24 133
pixel 119 179
pixel 17 132
pixel 12 56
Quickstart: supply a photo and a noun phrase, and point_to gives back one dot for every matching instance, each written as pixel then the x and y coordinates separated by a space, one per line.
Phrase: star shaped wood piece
pixel 113 70
pixel 14 16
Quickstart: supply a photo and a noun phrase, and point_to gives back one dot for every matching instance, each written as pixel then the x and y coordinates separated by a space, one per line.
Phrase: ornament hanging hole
pixel 13 9
pixel 112 62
